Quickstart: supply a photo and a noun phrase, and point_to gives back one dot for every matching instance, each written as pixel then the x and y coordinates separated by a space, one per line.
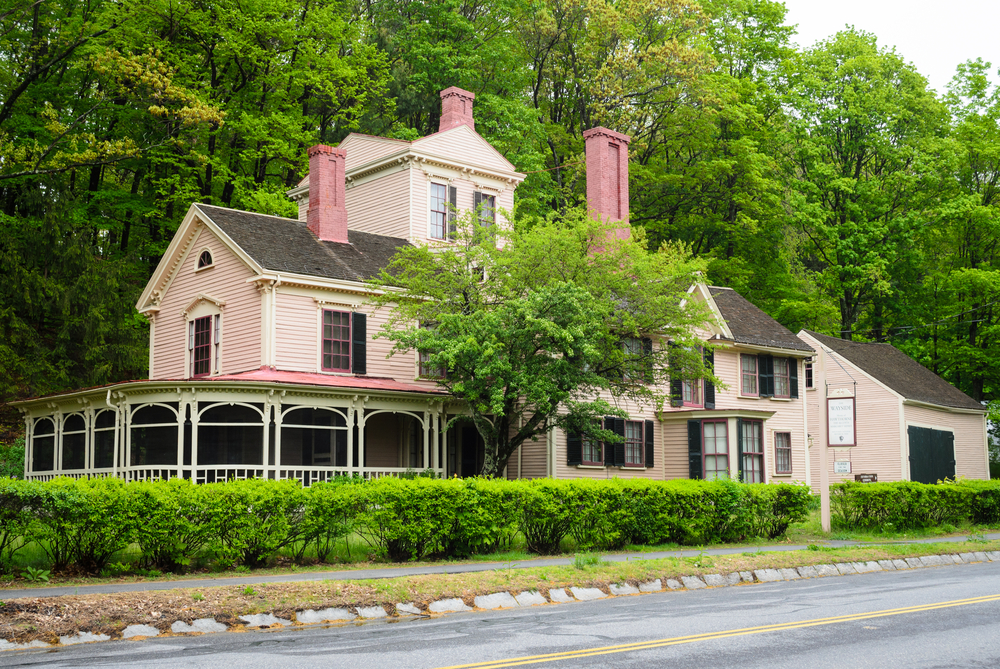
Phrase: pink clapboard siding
pixel 241 317
pixel 532 462
pixel 364 149
pixel 970 446
pixel 878 422
pixel 381 206
pixel 463 143
pixel 296 332
pixel 675 450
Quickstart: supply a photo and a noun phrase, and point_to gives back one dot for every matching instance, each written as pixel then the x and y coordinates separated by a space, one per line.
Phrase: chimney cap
pixel 328 150
pixel 607 132
pixel 455 90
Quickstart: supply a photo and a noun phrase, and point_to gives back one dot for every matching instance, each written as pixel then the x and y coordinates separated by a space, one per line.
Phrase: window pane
pixel 337 340
pixel 202 346
pixel 439 211
pixel 634 454
pixel 74 450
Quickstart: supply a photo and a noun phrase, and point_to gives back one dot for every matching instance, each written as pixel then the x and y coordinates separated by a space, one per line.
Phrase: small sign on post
pixel 840 412
pixel 866 478
pixel 841 466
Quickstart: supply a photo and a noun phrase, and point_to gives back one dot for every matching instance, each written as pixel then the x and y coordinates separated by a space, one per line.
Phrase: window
pixel 716 450
pixel 74 442
pixel 638 360
pixel 634 444
pixel 593 452
pixel 205 259
pixel 485 206
pixel 43 446
pixel 782 453
pixel 313 437
pixel 104 440
pixel 809 375
pixel 691 391
pixel 230 435
pixel 336 341
pixel 782 384
pixel 748 374
pixel 153 437
pixel 753 451
pixel 443 200
pixel 200 345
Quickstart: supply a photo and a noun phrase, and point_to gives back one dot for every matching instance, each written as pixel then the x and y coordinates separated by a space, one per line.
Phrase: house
pixel 911 425
pixel 263 363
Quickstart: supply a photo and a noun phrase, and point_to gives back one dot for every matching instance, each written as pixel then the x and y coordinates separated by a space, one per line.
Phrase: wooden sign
pixel 866 478
pixel 840 413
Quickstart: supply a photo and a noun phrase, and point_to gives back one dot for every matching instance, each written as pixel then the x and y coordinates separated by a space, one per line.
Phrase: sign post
pixel 837 429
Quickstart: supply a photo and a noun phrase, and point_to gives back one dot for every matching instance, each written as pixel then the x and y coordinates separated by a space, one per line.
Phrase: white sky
pixel 934 36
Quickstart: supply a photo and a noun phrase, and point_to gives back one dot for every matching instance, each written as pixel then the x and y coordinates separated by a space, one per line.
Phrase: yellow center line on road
pixel 709 636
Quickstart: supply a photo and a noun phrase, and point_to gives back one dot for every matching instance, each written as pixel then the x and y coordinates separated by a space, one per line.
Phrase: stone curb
pixel 507 600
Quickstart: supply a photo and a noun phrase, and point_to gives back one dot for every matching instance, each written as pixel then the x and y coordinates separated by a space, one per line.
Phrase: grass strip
pixel 26 619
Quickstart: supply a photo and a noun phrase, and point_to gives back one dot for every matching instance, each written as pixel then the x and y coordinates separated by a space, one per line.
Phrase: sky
pixel 934 36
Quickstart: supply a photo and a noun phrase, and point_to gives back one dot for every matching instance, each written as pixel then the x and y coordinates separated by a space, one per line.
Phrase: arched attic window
pixel 205 259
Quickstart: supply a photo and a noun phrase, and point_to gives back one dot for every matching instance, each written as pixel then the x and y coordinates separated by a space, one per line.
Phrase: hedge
pixel 908 505
pixel 82 524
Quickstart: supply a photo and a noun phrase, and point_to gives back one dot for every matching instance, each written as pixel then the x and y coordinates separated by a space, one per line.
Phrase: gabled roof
pixel 750 325
pixel 901 373
pixel 286 245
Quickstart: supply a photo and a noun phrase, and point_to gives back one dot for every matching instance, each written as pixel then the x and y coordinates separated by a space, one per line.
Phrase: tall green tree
pixel 530 327
pixel 860 119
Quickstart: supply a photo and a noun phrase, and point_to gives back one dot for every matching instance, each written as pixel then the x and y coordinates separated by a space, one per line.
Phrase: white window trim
pixel 197 259
pixel 194 312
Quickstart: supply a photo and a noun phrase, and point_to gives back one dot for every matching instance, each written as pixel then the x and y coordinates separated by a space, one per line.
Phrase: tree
pixel 531 327
pixel 860 118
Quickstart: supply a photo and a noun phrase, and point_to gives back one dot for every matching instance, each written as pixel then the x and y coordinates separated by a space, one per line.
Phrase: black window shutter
pixel 574 448
pixel 359 342
pixel 620 446
pixel 765 375
pixel 709 386
pixel 793 378
pixel 650 447
pixel 739 449
pixel 676 387
pixel 694 449
pixel 609 448
pixel 452 211
pixel 477 201
pixel 647 362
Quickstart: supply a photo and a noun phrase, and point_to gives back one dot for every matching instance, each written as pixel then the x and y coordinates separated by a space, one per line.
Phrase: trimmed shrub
pixel 405 519
pixel 329 515
pixel 18 502
pixel 548 511
pixel 900 505
pixel 248 521
pixel 83 522
pixel 486 519
pixel 175 523
pixel 773 508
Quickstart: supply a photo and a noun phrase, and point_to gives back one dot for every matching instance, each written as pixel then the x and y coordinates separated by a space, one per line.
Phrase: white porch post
pixel 127 465
pixel 361 438
pixel 427 440
pixel 182 408
pixel 194 437
pixel 277 437
pixel 444 442
pixel 29 445
pixel 436 455
pixel 58 419
pixel 351 422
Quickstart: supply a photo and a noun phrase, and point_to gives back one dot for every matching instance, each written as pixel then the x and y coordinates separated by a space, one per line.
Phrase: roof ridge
pixel 244 211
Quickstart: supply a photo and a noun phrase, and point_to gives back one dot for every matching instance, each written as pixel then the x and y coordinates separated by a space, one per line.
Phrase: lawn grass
pixel 353 553
pixel 47 618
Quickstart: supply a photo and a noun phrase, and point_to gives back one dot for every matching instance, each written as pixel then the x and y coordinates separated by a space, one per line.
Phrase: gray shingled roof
pixel 750 325
pixel 286 245
pixel 900 372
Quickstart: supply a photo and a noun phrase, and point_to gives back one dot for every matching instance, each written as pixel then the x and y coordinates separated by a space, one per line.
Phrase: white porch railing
pixel 211 473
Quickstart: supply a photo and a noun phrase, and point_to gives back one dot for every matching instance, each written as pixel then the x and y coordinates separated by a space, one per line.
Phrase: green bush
pixel 248 521
pixel 84 522
pixel 405 519
pixel 12 459
pixel 900 505
pixel 487 517
pixel 176 522
pixel 18 501
pixel 329 515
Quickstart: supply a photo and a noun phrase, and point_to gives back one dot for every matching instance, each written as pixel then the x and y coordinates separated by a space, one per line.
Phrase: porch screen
pixel 104 440
pixel 43 446
pixel 154 436
pixel 74 446
pixel 231 435
pixel 313 438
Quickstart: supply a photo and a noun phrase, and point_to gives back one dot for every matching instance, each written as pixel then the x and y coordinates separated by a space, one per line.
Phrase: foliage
pixel 527 324
pixel 904 504
pixel 12 459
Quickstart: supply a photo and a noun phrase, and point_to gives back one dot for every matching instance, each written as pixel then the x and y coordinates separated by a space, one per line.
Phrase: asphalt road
pixel 937 617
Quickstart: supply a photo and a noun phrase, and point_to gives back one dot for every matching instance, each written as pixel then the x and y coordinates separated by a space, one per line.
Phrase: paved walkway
pixel 456 568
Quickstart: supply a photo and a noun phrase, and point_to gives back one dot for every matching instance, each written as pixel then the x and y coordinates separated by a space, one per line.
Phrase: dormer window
pixel 205 259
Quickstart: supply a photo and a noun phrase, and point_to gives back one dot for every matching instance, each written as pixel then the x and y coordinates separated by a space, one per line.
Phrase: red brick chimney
pixel 607 175
pixel 327 214
pixel 456 109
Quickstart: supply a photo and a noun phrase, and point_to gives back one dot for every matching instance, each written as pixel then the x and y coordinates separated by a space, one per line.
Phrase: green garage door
pixel 932 454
